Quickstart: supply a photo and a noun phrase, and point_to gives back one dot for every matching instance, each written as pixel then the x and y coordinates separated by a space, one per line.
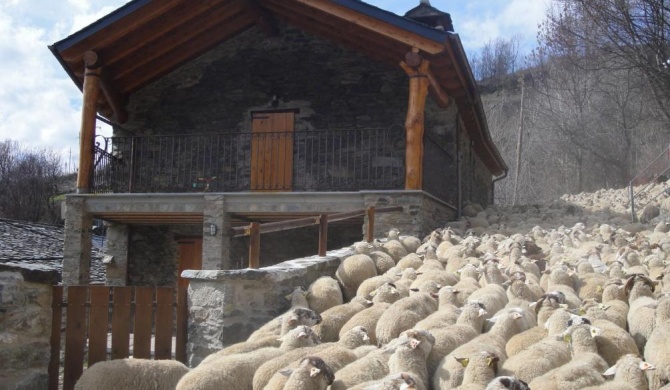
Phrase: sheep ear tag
pixel 567 338
pixel 596 331
pixel 289 296
pixel 314 372
pixel 491 360
pixel 610 371
pixel 464 361
pixel 373 293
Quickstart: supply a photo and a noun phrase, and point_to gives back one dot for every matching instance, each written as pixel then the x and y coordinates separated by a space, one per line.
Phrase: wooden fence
pixel 255 229
pixel 132 310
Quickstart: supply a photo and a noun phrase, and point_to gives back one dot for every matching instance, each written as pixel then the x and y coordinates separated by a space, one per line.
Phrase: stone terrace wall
pixel 225 307
pixel 25 326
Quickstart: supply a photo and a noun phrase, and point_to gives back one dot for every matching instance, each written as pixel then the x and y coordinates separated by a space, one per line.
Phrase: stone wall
pixel 225 307
pixel 25 326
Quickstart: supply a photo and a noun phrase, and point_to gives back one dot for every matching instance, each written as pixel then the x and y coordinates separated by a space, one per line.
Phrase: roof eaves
pixel 399 21
pixel 98 25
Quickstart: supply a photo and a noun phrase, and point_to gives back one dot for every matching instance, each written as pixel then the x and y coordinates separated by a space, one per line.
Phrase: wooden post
pixel 89 110
pixel 417 69
pixel 370 236
pixel 323 234
pixel 254 245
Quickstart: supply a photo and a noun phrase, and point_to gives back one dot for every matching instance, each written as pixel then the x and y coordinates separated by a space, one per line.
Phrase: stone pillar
pixel 215 240
pixel 116 254
pixel 77 245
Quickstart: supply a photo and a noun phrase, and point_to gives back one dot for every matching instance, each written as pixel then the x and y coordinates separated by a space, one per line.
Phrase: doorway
pixel 272 151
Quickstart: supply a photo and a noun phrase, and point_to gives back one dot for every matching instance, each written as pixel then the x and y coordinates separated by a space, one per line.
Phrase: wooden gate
pixel 90 336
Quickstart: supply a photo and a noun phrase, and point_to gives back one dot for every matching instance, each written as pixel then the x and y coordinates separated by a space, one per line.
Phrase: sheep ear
pixel 414 343
pixel 491 360
pixel 644 366
pixel 373 293
pixel 414 289
pixel 464 361
pixel 314 372
pixel 289 296
pixel 302 335
pixel 596 331
pixel 482 313
pixel 610 371
pixel 292 321
pixel 517 316
pixel 286 371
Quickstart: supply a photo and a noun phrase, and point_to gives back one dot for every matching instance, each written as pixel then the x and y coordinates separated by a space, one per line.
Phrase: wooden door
pixel 190 257
pixel 272 151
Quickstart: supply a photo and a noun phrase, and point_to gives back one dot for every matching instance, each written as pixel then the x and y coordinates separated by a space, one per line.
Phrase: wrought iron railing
pixel 333 160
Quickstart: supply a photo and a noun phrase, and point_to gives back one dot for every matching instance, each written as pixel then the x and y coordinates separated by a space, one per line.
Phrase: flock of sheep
pixel 569 295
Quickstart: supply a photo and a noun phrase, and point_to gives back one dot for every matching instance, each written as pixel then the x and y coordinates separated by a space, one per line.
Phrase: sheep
pixel 507 383
pixel 629 374
pixel 480 369
pixel 386 293
pixel 393 246
pixel 519 290
pixel 368 318
pixel 410 260
pixel 281 325
pixel 372 284
pixel 312 374
pixel 353 271
pixel 656 350
pixel 140 374
pixel 468 326
pixel 371 367
pixel 439 276
pixel 641 314
pixel 410 243
pixel 449 373
pixel 613 342
pixel 492 296
pixel 403 314
pixel 383 262
pixel 323 294
pixel 459 293
pixel 334 318
pixel 336 355
pixel 393 381
pixel 585 367
pixel 236 372
pixel 411 357
pixel 556 324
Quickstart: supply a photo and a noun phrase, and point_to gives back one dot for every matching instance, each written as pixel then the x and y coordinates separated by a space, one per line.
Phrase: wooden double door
pixel 272 151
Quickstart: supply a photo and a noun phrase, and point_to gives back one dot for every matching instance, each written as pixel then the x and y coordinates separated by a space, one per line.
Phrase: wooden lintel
pixel 414 124
pixel 386 29
pixel 263 18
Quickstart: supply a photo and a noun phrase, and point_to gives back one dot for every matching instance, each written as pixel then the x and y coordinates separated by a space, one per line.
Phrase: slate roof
pixel 39 247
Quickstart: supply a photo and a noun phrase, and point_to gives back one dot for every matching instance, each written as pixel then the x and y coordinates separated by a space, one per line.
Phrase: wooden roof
pixel 145 39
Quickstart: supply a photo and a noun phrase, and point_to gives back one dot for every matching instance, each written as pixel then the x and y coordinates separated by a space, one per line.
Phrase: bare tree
pixel 29 183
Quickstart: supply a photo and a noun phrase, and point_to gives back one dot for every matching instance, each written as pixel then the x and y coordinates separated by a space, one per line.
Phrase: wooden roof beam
pixel 116 101
pixel 375 25
pixel 264 19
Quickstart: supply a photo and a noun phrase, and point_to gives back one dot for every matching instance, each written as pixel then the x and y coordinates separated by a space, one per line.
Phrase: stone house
pixel 226 112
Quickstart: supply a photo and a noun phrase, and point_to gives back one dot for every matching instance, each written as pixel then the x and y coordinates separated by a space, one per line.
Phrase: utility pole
pixel 517 170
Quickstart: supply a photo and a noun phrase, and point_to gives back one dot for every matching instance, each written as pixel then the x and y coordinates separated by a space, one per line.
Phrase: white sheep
pixel 629 374
pixel 140 374
pixel 312 374
pixel 353 271
pixel 656 351
pixel 367 318
pixel 323 294
pixel 507 383
pixel 411 357
pixel 282 324
pixel 334 318
pixel 480 369
pixel 404 314
pixel 236 372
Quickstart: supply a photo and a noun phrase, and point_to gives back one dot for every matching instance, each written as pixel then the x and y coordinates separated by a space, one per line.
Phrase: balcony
pixel 333 160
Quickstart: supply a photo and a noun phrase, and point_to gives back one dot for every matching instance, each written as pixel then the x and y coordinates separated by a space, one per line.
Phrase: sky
pixel 40 106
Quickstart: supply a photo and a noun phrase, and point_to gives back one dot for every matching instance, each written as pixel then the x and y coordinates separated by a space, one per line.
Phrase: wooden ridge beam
pixel 264 19
pixel 375 25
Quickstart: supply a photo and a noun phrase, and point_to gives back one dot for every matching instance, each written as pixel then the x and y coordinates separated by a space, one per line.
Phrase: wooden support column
pixel 417 69
pixel 88 113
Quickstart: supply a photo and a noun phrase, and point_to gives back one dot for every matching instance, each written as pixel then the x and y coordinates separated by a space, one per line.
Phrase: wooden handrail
pixel 255 229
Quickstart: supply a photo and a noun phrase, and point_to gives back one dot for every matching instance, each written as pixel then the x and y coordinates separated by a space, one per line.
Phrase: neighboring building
pixel 27 247
pixel 226 112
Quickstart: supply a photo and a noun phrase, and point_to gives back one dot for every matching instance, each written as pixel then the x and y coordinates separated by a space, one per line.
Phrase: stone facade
pixel 225 307
pixel 25 326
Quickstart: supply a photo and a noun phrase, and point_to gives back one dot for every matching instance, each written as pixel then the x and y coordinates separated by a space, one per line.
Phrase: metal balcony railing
pixel 333 160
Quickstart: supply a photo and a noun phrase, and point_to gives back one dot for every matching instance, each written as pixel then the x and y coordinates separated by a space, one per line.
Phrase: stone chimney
pixel 431 16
